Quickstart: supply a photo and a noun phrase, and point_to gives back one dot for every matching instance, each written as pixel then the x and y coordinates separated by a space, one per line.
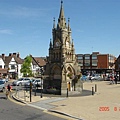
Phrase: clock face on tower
pixel 57 44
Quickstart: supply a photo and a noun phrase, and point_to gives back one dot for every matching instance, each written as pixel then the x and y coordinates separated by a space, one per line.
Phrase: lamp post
pixel 8 73
pixel 41 70
pixel 30 91
pixel 119 71
pixel 41 87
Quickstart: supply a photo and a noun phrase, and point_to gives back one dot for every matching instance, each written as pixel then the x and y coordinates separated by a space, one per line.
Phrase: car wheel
pixel 20 84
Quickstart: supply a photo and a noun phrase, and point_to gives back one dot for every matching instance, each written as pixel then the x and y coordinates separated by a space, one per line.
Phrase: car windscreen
pixel 2 82
pixel 27 79
pixel 37 81
pixel 19 79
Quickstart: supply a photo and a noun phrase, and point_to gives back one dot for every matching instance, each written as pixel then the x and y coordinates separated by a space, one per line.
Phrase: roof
pixel 3 70
pixel 39 60
pixel 7 59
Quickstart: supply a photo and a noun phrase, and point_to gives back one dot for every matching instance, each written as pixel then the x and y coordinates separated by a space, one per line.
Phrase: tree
pixel 26 67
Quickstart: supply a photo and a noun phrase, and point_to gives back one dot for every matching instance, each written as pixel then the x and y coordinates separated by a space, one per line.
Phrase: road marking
pixel 58 115
pixel 15 101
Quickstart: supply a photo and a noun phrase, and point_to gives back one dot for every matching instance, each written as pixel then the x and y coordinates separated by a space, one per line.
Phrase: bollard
pixel 37 85
pixel 41 88
pixel 95 87
pixel 41 93
pixel 30 91
pixel 24 96
pixel 35 91
pixel 67 92
pixel 92 90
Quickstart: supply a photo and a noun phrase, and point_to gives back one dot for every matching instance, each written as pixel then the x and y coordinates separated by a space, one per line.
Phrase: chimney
pixel 14 54
pixel 3 56
pixel 18 55
pixel 10 54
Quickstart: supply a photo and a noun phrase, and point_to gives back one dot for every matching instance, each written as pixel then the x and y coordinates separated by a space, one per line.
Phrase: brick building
pixel 96 62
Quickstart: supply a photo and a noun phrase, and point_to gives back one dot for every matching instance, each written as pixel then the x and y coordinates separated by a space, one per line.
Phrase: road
pixel 13 111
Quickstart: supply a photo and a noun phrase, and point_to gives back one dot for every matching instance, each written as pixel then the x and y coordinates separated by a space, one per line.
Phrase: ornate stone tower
pixel 62 68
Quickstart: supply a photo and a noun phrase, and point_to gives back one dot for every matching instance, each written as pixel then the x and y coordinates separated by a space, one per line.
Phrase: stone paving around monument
pixel 103 105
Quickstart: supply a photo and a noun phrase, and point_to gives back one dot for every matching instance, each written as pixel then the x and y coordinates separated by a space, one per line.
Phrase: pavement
pixel 103 105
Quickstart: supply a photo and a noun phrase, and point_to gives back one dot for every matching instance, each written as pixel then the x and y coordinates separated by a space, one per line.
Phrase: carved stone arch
pixel 67 42
pixel 70 69
pixel 56 71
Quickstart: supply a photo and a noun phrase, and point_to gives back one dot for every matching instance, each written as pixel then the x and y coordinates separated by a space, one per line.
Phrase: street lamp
pixel 119 71
pixel 41 87
pixel 41 70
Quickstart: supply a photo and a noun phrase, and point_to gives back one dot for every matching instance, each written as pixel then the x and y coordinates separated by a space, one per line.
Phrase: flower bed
pixel 70 75
pixel 52 90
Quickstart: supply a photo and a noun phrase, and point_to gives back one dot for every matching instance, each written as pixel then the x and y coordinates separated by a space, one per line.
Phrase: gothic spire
pixel 61 19
pixel 69 29
pixel 54 26
pixel 61 10
pixel 50 43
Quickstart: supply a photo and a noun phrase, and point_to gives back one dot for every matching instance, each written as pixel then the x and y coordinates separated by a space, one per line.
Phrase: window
pixel 94 57
pixel 94 64
pixel 0 66
pixel 87 64
pixel 80 63
pixel 12 66
pixel 87 57
pixel 80 57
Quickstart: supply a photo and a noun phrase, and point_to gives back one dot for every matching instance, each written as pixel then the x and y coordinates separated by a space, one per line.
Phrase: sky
pixel 26 26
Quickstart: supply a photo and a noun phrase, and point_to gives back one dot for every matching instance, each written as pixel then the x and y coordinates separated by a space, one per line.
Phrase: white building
pixel 10 65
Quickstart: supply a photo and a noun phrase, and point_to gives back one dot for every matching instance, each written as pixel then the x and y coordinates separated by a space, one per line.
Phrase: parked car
pixel 95 77
pixel 37 83
pixel 27 84
pixel 2 85
pixel 21 81
pixel 84 78
pixel 5 80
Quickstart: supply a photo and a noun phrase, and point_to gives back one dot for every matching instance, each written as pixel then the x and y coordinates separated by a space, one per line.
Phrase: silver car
pixel 2 85
pixel 27 84
pixel 37 83
pixel 21 81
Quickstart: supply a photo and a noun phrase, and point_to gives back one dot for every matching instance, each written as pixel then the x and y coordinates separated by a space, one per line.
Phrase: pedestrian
pixel 8 90
pixel 116 79
pixel 9 87
pixel 111 79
